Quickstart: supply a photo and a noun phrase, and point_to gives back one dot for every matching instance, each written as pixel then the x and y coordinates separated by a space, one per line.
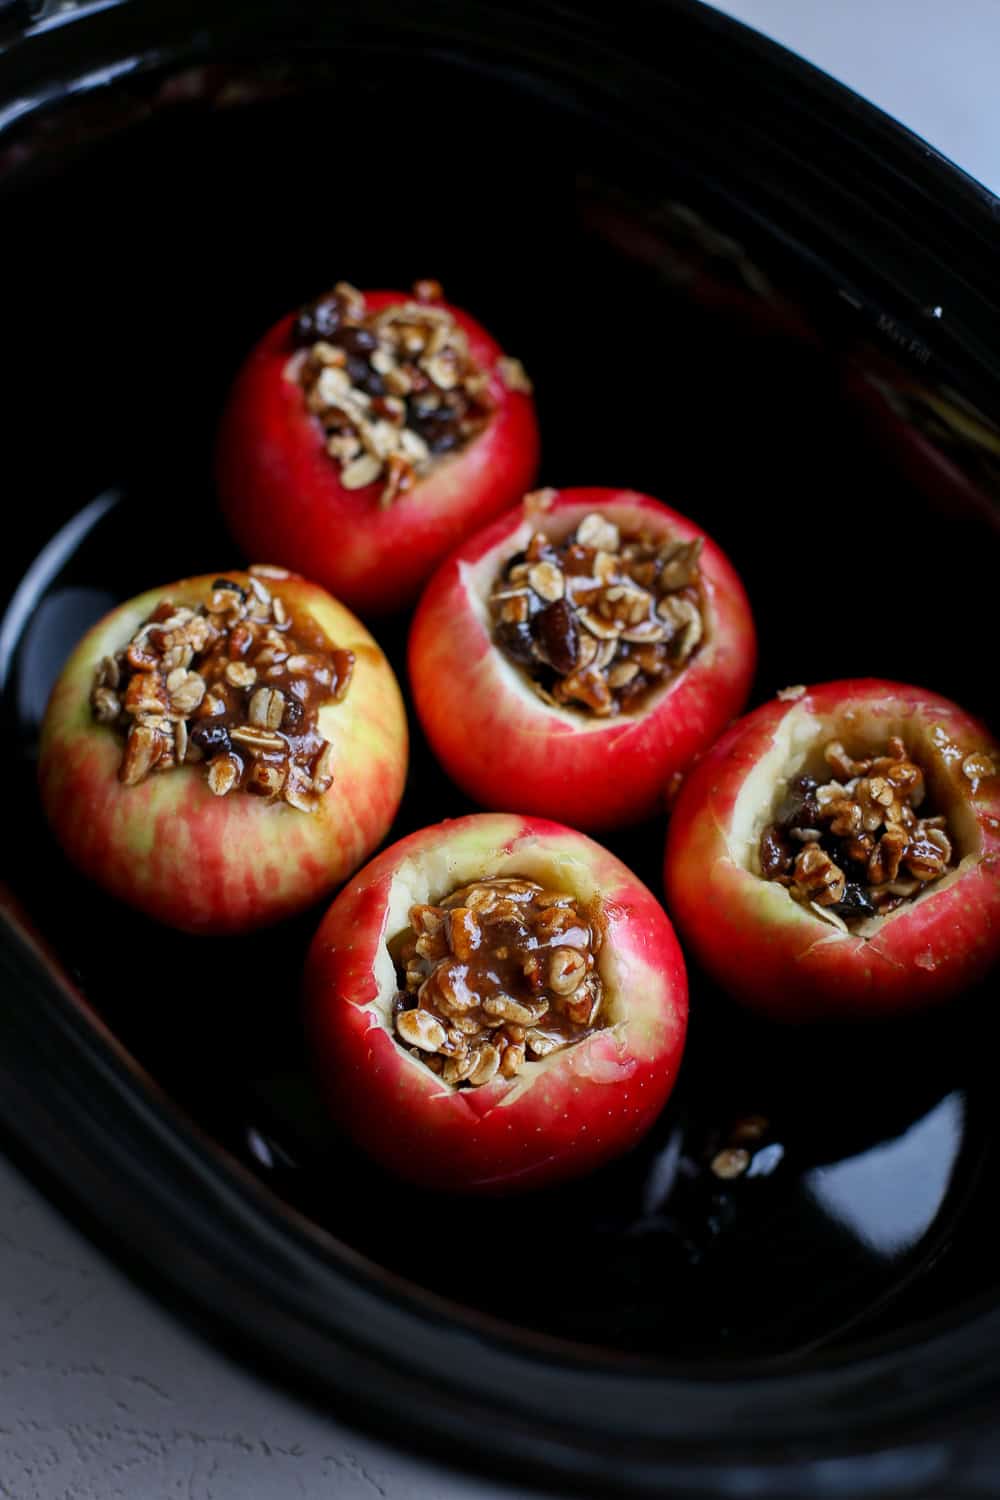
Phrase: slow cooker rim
pixel 47 1030
pixel 187 1213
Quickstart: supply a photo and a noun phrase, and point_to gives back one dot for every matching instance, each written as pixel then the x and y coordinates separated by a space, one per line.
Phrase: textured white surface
pixel 931 65
pixel 104 1395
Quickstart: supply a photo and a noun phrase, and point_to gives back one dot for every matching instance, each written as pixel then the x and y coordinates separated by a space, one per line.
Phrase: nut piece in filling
pixel 394 389
pixel 502 971
pixel 601 618
pixel 856 846
pixel 236 685
pixel 493 1004
pixel 868 889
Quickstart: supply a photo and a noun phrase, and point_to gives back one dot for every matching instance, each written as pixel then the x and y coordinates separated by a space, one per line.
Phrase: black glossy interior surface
pixel 676 347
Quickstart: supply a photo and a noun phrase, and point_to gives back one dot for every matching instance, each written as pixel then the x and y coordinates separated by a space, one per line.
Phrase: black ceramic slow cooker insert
pixel 737 287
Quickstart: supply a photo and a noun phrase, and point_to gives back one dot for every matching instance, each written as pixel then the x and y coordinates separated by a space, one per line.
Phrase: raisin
pixel 318 320
pixel 227 583
pixel 515 637
pixel 363 376
pixel 854 903
pixel 293 716
pixel 559 635
pixel 801 809
pixel 436 424
pixel 838 852
pixel 442 437
pixel 212 739
pixel 357 340
pixel 775 852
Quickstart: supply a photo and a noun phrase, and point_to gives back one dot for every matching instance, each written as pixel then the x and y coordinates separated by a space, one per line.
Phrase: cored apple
pixel 837 853
pixel 575 656
pixel 367 435
pixel 496 1003
pixel 222 752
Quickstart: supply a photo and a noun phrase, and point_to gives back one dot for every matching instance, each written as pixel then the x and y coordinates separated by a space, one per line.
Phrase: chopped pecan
pixel 487 967
pixel 860 835
pixel 187 688
pixel 393 390
pixel 611 615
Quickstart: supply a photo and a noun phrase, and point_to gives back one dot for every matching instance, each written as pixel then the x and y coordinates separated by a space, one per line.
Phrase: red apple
pixel 558 1117
pixel 785 957
pixel 504 745
pixel 224 863
pixel 284 495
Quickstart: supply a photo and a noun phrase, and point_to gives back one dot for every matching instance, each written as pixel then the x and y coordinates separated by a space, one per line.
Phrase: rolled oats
pixel 730 1163
pixel 106 705
pixel 409 367
pixel 224 773
pixel 514 375
pixel 482 971
pixel 602 618
pixel 420 1029
pixel 240 674
pixel 180 741
pixel 598 532
pixel 487 1063
pixel 267 708
pixel 186 690
pixel 856 847
pixel 360 472
pixel 547 581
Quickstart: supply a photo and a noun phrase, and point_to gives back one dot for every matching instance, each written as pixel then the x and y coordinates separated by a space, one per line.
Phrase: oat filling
pixel 857 845
pixel 601 618
pixel 502 972
pixel 395 390
pixel 235 685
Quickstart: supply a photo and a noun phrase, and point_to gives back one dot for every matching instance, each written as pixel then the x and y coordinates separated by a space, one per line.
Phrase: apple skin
pixel 558 1119
pixel 778 957
pixel 282 496
pixel 506 748
pixel 211 864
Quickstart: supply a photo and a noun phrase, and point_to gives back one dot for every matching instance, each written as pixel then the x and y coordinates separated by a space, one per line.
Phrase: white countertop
pixel 930 64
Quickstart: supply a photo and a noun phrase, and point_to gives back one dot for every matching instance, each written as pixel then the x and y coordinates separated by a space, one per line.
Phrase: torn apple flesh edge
pixel 797 748
pixel 430 877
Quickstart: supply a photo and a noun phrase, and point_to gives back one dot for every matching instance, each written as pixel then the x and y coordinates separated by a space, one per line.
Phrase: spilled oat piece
pixel 502 971
pixel 234 685
pixel 857 846
pixel 394 390
pixel 601 618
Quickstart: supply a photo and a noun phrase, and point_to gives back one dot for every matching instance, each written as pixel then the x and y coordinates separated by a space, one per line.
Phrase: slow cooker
pixel 738 286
